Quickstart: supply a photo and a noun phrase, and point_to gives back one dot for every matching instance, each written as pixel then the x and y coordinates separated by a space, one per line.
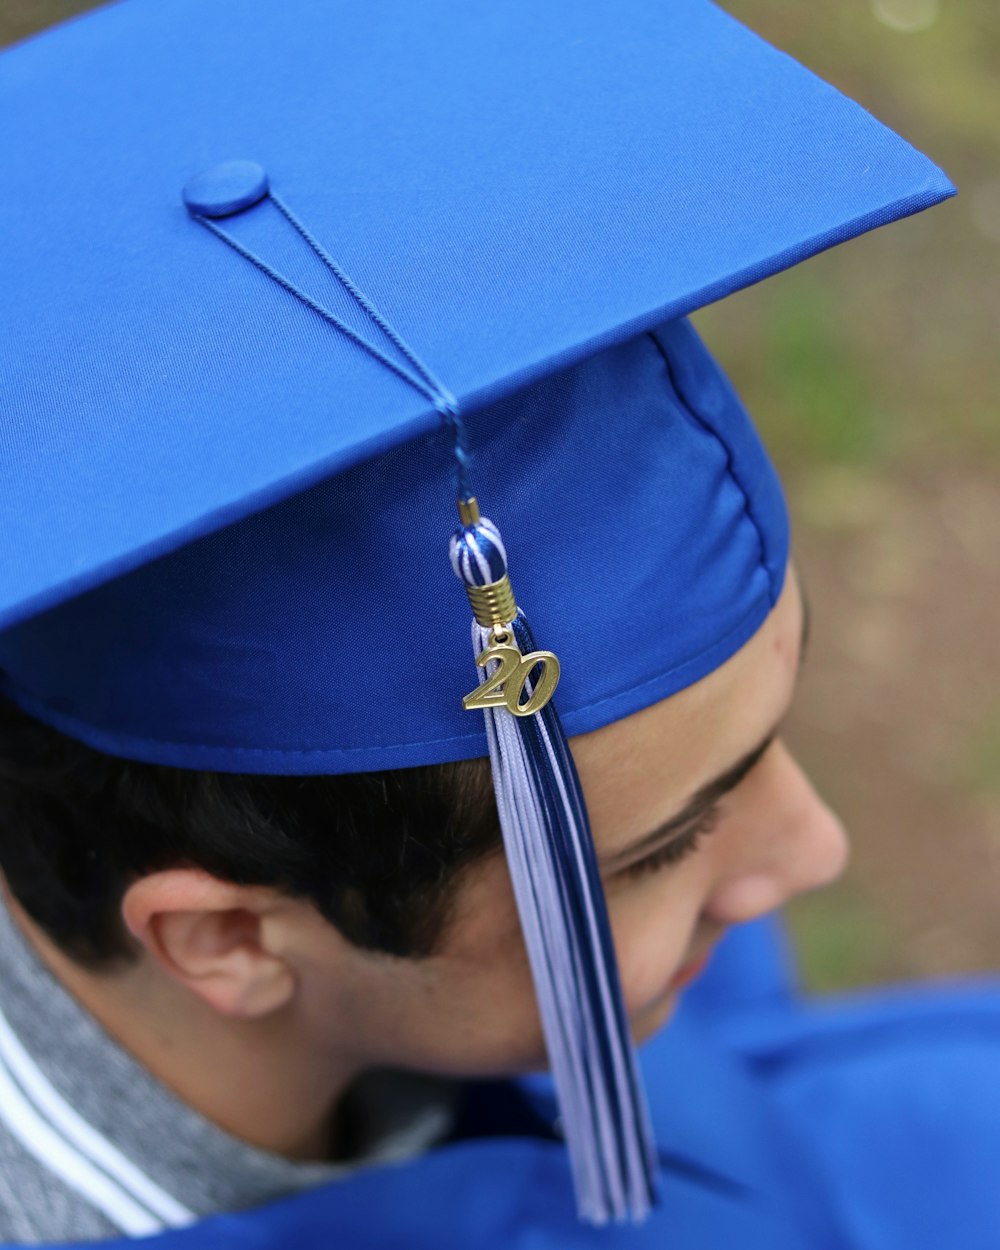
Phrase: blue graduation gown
pixel 871 1123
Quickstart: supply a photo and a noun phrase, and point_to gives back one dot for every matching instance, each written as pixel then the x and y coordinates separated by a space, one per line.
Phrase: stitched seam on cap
pixel 730 466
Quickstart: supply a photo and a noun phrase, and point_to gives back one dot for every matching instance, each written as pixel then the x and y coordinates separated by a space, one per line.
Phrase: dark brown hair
pixel 377 853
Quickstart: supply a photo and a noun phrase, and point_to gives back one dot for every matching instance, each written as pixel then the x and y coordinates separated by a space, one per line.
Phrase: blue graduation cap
pixel 283 282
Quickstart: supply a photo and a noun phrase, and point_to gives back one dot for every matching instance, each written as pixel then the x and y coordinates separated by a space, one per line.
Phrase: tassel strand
pixel 563 915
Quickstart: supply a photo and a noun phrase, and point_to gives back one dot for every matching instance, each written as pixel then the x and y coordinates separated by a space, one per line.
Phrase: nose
pixel 788 842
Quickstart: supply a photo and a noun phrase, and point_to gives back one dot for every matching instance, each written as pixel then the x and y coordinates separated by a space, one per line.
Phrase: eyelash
pixel 677 848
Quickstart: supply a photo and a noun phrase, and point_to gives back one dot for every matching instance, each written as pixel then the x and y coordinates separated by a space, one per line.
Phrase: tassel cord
pixel 610 1043
pixel 559 893
pixel 616 1045
pixel 556 999
pixel 418 375
pixel 614 1041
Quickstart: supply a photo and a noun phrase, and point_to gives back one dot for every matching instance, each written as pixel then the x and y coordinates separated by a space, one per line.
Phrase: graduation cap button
pixel 226 189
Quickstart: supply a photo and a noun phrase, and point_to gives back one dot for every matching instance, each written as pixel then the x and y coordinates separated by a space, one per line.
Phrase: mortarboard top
pixel 518 186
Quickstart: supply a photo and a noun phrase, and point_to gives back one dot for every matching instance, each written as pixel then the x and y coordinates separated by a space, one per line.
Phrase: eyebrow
pixel 710 793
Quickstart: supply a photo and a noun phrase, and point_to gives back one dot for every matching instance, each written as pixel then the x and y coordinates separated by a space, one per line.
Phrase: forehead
pixel 640 770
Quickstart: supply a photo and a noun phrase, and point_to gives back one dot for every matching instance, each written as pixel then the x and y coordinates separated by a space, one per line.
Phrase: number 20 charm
pixel 505 687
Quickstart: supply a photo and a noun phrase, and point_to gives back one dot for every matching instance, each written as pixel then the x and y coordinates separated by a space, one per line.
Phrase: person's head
pixel 375 911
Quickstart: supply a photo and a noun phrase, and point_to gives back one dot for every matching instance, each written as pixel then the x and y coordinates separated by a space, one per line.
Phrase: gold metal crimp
pixel 468 511
pixel 493 604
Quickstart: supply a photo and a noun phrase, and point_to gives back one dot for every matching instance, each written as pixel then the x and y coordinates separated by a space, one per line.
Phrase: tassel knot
pixel 477 553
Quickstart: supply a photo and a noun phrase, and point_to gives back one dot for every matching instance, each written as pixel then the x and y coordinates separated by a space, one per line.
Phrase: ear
pixel 220 940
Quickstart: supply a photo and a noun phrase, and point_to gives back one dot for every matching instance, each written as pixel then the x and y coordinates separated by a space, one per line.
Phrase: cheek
pixel 468 1010
pixel 657 928
pixel 478 1013
pixel 485 989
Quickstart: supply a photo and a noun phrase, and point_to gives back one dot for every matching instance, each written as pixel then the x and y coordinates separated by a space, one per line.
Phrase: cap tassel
pixel 542 813
pixel 558 891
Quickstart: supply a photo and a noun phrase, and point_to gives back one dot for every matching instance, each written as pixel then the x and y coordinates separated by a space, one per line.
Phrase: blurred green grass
pixel 978 767
pixel 817 378
pixel 873 373
pixel 887 349
pixel 841 940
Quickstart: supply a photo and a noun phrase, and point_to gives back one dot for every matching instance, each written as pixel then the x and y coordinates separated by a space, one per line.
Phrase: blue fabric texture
pixel 534 196
pixel 632 478
pixel 865 1123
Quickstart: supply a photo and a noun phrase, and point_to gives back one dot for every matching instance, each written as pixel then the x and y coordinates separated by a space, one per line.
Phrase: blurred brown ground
pixel 874 373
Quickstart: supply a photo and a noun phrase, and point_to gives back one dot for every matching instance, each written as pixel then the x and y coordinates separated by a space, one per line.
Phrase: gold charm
pixel 505 687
